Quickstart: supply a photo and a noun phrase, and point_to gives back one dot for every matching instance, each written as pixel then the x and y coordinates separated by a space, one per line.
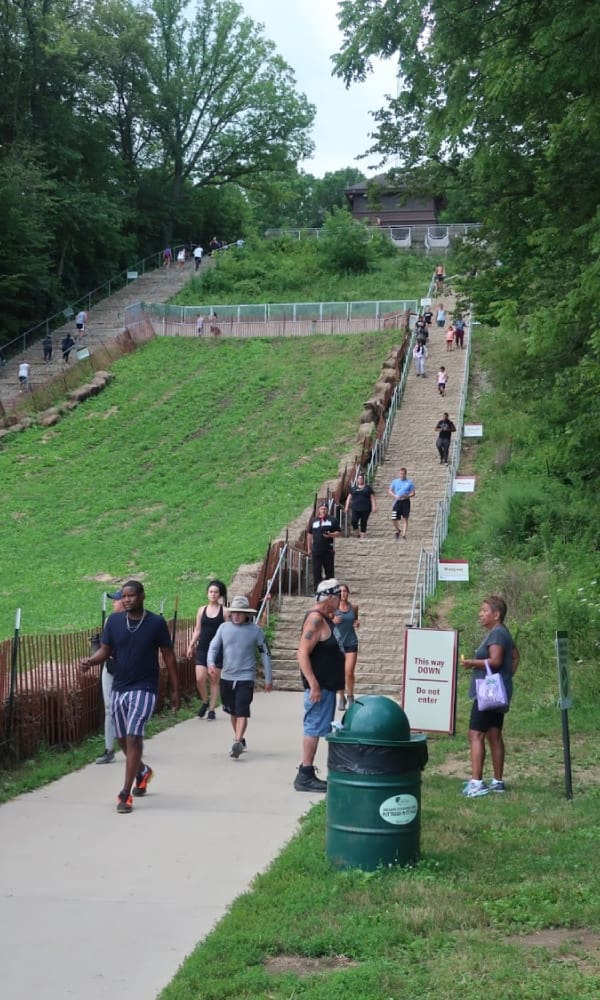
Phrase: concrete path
pixel 95 905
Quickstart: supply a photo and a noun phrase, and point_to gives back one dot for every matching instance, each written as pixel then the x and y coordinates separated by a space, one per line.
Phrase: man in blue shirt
pixel 401 490
pixel 133 638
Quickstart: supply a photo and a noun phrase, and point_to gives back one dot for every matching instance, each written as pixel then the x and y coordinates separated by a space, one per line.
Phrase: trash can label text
pixel 399 810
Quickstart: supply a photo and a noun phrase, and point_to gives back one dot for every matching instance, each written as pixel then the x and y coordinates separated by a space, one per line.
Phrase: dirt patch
pixel 580 946
pixel 300 965
pixel 438 617
pixel 539 760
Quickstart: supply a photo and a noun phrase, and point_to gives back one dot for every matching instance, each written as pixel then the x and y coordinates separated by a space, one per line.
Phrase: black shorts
pixel 202 657
pixel 401 509
pixel 482 721
pixel 236 697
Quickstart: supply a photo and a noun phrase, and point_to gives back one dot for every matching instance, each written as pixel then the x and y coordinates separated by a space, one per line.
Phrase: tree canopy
pixel 498 100
pixel 120 116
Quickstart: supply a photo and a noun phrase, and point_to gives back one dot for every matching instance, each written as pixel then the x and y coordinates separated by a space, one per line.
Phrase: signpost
pixel 565 702
pixel 429 679
pixel 453 569
pixel 463 484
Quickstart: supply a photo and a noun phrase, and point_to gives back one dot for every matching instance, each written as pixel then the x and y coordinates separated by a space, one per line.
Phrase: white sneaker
pixel 473 789
pixel 498 786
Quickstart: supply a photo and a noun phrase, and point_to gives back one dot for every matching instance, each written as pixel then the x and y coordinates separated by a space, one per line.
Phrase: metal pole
pixel 567 753
pixel 13 676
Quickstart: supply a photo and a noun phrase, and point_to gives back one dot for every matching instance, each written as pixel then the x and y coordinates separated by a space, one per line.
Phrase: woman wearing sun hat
pixel 236 642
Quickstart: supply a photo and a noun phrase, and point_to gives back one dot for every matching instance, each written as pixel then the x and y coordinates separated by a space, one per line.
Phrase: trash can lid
pixel 376 720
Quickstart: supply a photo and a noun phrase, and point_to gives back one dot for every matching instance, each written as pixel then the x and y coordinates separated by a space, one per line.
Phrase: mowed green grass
pixel 196 456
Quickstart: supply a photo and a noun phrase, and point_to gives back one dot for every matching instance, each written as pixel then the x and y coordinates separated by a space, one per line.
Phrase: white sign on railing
pixel 473 430
pixel 429 679
pixel 453 569
pixel 464 484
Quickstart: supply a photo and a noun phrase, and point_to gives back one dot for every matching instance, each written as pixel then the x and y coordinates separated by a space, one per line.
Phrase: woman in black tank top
pixel 208 619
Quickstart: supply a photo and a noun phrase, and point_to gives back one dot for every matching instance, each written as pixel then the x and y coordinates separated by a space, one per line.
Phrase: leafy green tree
pixel 346 245
pixel 225 108
pixel 27 216
pixel 500 100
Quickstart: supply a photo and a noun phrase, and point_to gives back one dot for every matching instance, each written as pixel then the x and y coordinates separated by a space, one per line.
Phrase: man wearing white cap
pixel 236 642
pixel 321 660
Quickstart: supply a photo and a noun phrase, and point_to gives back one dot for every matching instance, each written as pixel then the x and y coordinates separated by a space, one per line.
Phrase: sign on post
pixel 453 569
pixel 562 660
pixel 463 484
pixel 564 693
pixel 429 679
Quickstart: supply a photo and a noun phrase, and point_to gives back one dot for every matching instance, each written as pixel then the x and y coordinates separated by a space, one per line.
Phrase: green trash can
pixel 374 787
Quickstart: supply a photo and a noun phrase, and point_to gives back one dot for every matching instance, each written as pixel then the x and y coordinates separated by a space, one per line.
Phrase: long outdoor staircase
pixel 379 570
pixel 105 321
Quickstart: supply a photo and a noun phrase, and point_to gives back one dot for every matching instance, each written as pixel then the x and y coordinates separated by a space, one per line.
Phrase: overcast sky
pixel 306 34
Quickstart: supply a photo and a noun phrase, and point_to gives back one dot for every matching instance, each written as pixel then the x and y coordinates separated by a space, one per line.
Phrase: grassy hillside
pixel 506 898
pixel 185 467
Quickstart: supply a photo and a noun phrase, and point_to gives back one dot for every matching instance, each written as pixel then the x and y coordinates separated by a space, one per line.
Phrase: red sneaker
pixel 124 803
pixel 142 781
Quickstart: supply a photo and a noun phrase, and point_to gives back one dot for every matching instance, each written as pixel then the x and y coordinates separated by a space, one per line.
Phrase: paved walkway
pixel 98 905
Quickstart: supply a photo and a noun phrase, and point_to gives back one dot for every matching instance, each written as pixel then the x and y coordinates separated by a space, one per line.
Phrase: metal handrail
pixel 381 445
pixel 277 583
pixel 59 318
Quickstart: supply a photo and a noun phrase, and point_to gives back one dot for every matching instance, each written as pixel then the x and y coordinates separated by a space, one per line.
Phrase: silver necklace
pixel 129 628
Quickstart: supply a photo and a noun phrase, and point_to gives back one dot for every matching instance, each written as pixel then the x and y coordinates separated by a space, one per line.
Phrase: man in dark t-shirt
pixel 445 429
pixel 133 638
pixel 320 533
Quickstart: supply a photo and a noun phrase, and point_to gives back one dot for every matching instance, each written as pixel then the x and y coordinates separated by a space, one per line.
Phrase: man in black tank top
pixel 321 662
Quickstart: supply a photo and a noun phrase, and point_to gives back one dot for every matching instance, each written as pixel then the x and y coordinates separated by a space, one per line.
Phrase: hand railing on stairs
pixel 291 575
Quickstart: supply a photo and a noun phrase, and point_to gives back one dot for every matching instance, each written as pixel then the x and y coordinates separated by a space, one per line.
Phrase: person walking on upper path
pixel 442 380
pixel 459 331
pixel 236 644
pixel 361 500
pixel 320 534
pixel 198 252
pixel 445 429
pixel 48 347
pixel 401 490
pixel 321 662
pixel 24 373
pixel 66 345
pixel 420 358
pixel 133 638
pixel 80 321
